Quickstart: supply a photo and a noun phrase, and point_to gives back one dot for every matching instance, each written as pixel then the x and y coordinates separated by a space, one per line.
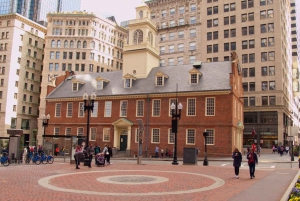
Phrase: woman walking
pixel 237 160
pixel 252 160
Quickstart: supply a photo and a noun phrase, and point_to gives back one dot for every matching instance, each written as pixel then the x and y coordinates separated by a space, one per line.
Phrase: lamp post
pixel 89 106
pixel 45 124
pixel 176 113
pixel 205 162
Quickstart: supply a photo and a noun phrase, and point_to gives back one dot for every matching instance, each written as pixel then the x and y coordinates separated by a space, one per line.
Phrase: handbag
pixel 107 153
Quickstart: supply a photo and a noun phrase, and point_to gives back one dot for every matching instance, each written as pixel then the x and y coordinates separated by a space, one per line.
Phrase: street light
pixel 45 124
pixel 176 113
pixel 89 106
pixel 205 162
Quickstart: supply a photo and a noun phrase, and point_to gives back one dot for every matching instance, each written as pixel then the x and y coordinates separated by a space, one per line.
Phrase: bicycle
pixel 36 159
pixel 50 159
pixel 5 159
pixel 44 158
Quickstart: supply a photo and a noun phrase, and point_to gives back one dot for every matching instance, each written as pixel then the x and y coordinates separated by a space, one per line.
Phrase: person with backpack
pixel 252 161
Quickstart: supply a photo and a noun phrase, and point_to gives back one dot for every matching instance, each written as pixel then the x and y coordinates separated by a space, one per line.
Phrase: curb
pixel 285 196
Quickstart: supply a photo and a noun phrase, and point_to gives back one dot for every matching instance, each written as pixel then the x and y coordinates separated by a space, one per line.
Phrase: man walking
pixel 156 152
pixel 90 151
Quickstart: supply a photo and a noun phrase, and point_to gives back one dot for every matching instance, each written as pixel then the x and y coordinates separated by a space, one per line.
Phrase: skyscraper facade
pixel 37 10
pixel 260 32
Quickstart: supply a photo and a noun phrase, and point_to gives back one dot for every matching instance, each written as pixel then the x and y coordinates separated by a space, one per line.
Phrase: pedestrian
pixel 90 152
pixel 109 154
pixel 258 150
pixel 237 161
pixel 56 151
pixel 167 152
pixel 24 155
pixel 252 160
pixel 162 153
pixel 156 152
pixel 97 149
pixel 78 155
pixel 40 150
pixel 105 152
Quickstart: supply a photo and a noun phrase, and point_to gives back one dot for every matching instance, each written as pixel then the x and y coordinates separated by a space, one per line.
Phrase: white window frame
pixel 171 61
pixel 192 59
pixel 81 109
pixel 107 108
pixel 159 81
pixel 106 134
pixel 194 77
pixel 189 133
pixel 210 106
pixel 58 109
pixel 123 110
pixel 156 107
pixel 68 131
pixel 56 130
pixel 93 132
pixel 180 47
pixel 181 9
pixel 191 109
pixel 181 34
pixel 74 86
pixel 179 60
pixel 140 108
pixel 95 110
pixel 181 21
pixel 69 109
pixel 80 131
pixel 210 139
pixel 157 135
pixel 171 49
pixel 99 84
pixel 192 32
pixel 193 7
pixel 127 83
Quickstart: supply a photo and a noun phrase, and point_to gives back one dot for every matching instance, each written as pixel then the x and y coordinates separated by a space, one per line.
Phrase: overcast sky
pixel 122 9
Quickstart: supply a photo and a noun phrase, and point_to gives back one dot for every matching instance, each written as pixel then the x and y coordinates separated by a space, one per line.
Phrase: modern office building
pixel 37 10
pixel 260 32
pixel 21 65
pixel 80 42
pixel 145 91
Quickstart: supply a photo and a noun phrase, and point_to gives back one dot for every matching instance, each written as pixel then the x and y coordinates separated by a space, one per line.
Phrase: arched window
pixel 84 44
pixel 150 37
pixel 108 50
pixel 103 48
pixel 118 54
pixel 92 44
pixel 53 43
pixel 65 44
pixel 71 44
pixel 79 44
pixel 58 43
pixel 99 47
pixel 138 37
pixel 141 14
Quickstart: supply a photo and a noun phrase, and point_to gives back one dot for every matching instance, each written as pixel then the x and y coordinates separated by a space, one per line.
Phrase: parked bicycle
pixel 36 159
pixel 50 159
pixel 4 159
pixel 44 158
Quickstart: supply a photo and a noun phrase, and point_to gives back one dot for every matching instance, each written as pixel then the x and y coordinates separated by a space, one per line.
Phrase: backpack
pixel 251 160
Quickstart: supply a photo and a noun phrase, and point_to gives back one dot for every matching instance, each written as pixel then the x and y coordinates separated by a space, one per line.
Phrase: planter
pixel 295 193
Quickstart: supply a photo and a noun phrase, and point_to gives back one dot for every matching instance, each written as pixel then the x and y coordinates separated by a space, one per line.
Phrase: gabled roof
pixel 161 74
pixel 215 77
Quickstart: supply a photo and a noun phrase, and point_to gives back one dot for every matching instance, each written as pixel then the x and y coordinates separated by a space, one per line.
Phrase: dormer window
pixel 160 78
pixel 128 83
pixel 159 81
pixel 128 80
pixel 195 76
pixel 76 85
pixel 101 82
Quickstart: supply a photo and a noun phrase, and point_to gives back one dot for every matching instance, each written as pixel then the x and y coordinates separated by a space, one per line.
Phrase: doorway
pixel 123 142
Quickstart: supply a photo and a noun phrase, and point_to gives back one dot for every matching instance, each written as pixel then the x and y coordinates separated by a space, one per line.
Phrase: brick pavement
pixel 184 182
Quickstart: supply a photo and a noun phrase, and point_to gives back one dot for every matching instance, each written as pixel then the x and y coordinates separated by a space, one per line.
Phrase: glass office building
pixel 37 10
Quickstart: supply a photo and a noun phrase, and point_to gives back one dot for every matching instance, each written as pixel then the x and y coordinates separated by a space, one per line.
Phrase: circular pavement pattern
pixel 132 179
pixel 120 182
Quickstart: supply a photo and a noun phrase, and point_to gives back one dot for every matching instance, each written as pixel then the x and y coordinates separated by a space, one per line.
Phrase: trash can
pixel 190 156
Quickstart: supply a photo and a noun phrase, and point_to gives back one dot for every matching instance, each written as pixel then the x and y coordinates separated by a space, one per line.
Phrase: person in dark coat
pixel 252 160
pixel 109 155
pixel 237 161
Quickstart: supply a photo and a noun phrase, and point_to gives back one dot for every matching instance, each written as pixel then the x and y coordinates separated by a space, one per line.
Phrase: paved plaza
pixel 156 180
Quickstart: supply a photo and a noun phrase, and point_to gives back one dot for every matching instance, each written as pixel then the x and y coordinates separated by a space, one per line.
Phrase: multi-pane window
pixel 251 58
pixel 171 61
pixel 210 139
pixel 171 137
pixel 251 101
pixel 215 47
pixel 271 56
pixel 209 36
pixel 193 7
pixel 192 45
pixel 251 44
pixel 271 70
pixel 272 100
pixel 244 31
pixel 191 107
pixel 68 131
pixel 69 109
pixel 251 16
pixel 245 86
pixel 107 109
pixel 270 13
pixel 93 134
pixel 216 35
pixel 80 131
pixel 81 110
pixel 226 20
pixel 181 9
pixel 171 36
pixel 272 85
pixel 264 85
pixel 58 110
pixel 139 108
pixel 232 19
pixel 215 22
pixel 56 130
pixel 271 41
pixel 181 21
pixel 226 33
pixel 232 6
pixel 192 59
pixel 171 48
pixel 181 34
pixel 180 47
pixel 192 20
pixel 251 72
pixel 264 100
pixel 210 107
pixel 190 136
pixel 123 108
pixel 194 78
pixel 209 23
pixel 192 32
pixel 245 58
pixel 172 11
pixel 264 71
pixel 270 27
pixel 226 46
pixel 180 60
pixel 106 134
pixel 156 108
pixel 244 44
pixel 155 135
pixel 251 30
pixel 251 86
pixel 95 110
pixel 226 8
pixel 159 81
pixel 232 32
pixel 162 50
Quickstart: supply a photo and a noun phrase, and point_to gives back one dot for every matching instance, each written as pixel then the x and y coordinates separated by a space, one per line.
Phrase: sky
pixel 123 10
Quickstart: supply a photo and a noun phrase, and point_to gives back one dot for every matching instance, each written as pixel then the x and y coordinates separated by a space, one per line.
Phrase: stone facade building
pixel 209 92
pixel 21 64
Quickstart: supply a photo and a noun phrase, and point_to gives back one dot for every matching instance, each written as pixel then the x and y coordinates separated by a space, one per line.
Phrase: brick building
pixel 209 92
